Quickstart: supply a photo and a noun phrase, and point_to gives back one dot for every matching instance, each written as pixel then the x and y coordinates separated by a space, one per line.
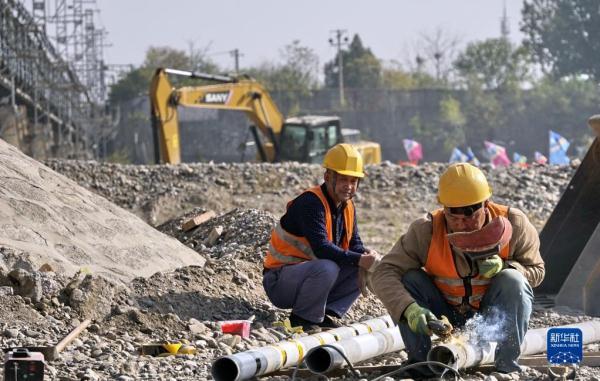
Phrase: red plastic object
pixel 236 327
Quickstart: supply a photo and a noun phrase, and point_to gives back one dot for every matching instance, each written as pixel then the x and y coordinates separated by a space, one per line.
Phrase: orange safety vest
pixel 440 264
pixel 288 249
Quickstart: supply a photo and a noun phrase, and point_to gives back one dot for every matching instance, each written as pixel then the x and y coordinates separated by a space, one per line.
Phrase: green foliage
pixel 451 124
pixel 451 113
pixel 136 82
pixel 484 114
pixel 492 64
pixel 564 106
pixel 295 77
pixel 563 35
pixel 133 84
pixel 394 77
pixel 361 69
pixel 164 56
pixel 493 73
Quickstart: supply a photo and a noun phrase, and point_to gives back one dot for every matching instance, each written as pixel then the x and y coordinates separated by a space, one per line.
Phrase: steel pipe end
pixel 320 360
pixel 225 369
pixel 442 354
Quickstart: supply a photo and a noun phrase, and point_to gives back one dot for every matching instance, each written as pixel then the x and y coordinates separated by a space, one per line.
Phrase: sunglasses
pixel 466 211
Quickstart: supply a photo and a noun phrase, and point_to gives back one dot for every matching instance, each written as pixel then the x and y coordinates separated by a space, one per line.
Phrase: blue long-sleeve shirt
pixel 306 218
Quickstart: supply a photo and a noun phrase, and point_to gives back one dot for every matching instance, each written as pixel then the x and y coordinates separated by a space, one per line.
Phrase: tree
pixel 164 56
pixel 133 84
pixel 302 63
pixel 493 63
pixel 394 77
pixel 361 68
pixel 452 121
pixel 432 56
pixel 291 79
pixel 563 35
pixel 136 82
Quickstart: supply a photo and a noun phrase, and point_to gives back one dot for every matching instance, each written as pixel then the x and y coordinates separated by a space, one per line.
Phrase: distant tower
pixel 504 26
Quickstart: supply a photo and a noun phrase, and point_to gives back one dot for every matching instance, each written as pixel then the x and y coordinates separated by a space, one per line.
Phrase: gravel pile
pixel 161 193
pixel 188 303
pixel 239 233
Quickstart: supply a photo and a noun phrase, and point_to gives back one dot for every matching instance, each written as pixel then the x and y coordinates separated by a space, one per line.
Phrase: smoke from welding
pixel 487 327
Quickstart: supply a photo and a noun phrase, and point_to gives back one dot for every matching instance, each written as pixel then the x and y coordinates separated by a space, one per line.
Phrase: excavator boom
pixel 229 93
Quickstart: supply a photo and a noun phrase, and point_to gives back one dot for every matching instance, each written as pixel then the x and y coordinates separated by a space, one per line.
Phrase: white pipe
pixel 462 355
pixel 356 349
pixel 256 362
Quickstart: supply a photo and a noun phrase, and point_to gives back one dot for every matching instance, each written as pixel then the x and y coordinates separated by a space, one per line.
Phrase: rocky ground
pixel 187 303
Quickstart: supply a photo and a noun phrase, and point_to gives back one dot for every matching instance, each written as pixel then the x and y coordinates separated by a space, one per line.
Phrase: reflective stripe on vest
pixel 285 248
pixel 441 267
pixel 293 241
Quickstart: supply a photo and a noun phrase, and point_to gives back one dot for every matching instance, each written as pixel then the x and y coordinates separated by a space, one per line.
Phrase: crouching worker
pixel 471 256
pixel 315 252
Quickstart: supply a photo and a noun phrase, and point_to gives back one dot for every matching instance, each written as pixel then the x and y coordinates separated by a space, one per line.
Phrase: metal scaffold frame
pixel 59 83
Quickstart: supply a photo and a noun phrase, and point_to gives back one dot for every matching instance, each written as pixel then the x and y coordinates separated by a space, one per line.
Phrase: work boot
pixel 332 313
pixel 297 321
pixel 328 323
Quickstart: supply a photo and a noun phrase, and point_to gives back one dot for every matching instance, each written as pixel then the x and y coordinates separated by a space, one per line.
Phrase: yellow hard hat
pixel 463 184
pixel 345 160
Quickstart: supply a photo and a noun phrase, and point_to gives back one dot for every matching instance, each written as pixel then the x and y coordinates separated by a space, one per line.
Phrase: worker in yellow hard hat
pixel 470 256
pixel 315 251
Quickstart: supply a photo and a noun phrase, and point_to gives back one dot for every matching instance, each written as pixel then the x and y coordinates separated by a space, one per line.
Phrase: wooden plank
pixel 198 220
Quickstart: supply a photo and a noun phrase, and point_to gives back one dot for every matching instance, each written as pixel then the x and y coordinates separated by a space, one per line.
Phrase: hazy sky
pixel 260 28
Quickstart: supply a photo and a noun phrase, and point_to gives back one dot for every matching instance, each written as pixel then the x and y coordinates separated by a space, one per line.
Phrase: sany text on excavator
pixel 304 139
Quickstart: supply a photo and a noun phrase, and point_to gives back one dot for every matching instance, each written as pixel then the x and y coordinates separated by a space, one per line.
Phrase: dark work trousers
pixel 309 288
pixel 506 306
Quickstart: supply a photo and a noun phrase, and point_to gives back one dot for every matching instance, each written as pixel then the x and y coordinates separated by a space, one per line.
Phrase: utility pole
pixel 504 24
pixel 338 41
pixel 438 57
pixel 236 57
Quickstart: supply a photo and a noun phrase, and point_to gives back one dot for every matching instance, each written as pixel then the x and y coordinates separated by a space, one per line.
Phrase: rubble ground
pixel 187 303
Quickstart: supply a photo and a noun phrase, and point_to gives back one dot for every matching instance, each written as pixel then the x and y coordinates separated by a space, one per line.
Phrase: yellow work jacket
pixel 440 264
pixel 288 249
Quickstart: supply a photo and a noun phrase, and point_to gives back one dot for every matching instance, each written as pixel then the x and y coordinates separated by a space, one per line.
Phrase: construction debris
pixel 197 220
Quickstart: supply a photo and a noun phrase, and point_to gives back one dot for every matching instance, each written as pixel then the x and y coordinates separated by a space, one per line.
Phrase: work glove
pixel 488 268
pixel 417 318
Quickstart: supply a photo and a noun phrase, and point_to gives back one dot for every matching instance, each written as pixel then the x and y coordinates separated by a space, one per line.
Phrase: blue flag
pixel 558 149
pixel 518 158
pixel 471 158
pixel 458 156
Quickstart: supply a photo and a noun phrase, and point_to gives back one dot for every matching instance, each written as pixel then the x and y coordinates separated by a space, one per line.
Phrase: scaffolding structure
pixel 51 63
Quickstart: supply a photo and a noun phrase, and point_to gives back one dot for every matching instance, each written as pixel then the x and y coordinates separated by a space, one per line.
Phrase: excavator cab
pixel 307 139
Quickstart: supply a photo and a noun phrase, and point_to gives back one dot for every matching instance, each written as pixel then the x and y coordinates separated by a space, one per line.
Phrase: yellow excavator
pixel 304 139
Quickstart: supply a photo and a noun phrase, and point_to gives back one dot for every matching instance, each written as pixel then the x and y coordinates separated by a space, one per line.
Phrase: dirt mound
pixel 49 219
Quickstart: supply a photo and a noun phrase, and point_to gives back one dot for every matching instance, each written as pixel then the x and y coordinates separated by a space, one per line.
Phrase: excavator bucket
pixel 570 240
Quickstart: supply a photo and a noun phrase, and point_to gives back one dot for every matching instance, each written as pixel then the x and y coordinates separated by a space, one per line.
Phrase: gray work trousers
pixel 505 310
pixel 312 287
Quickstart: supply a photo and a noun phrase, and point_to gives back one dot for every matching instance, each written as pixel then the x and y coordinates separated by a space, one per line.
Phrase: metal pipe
pixel 463 354
pixel 267 359
pixel 323 359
